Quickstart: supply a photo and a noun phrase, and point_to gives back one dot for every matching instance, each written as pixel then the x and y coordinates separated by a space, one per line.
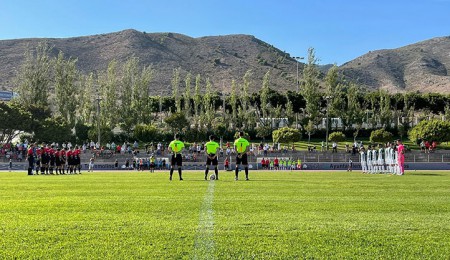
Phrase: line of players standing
pixel 50 160
pixel 386 159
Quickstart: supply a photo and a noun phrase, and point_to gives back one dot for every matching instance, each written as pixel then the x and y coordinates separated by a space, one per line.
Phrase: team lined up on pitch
pixel 386 159
pixel 47 159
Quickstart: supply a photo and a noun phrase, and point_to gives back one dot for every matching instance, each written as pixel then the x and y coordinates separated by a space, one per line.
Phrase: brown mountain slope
pixel 219 58
pixel 420 67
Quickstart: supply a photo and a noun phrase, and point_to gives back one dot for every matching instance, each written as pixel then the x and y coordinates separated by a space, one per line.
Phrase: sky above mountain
pixel 339 31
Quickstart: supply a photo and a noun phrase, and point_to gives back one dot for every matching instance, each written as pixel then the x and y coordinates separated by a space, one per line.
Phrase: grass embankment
pixel 283 215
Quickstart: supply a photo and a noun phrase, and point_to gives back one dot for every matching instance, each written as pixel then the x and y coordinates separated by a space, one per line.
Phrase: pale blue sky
pixel 338 30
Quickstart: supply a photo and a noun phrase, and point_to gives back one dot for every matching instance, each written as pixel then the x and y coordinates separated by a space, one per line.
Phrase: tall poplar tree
pixel 34 78
pixel 66 88
pixel 197 95
pixel 145 106
pixel 86 102
pixel 176 89
pixel 187 95
pixel 108 95
pixel 310 89
pixel 234 102
pixel 264 96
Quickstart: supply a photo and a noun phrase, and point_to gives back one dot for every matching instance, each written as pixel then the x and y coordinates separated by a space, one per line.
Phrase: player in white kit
pixel 381 159
pixel 395 169
pixel 387 157
pixel 363 160
pixel 375 159
pixel 369 159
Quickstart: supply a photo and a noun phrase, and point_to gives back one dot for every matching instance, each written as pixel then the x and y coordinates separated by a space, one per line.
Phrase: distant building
pixel 275 122
pixel 7 95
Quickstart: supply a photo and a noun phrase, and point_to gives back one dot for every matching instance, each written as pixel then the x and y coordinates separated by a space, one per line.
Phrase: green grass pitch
pixel 275 215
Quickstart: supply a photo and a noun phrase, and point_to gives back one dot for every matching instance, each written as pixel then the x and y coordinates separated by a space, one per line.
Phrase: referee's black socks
pixel 246 172
pixel 179 173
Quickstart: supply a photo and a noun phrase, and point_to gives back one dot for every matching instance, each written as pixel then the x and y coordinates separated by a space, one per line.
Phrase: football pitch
pixel 275 215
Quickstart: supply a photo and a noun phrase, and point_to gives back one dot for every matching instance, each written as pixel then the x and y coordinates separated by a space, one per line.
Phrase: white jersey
pixel 369 161
pixel 387 155
pixel 363 159
pixel 381 158
pixel 380 154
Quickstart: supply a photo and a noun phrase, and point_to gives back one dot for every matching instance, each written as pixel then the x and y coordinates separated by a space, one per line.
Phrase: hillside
pixel 219 58
pixel 419 67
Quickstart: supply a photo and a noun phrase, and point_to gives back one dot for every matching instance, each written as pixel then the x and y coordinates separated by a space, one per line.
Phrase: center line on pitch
pixel 204 239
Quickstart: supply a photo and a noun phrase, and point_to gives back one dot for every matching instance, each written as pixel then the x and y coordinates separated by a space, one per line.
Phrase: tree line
pixel 56 102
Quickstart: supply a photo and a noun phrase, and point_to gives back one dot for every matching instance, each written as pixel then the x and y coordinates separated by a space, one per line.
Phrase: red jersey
pixel 30 152
pixel 275 161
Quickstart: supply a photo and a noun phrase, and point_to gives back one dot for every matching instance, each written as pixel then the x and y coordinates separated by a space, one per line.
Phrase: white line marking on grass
pixel 204 239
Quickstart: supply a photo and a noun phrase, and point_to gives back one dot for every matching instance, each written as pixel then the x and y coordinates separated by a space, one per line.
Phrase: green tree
pixel 126 92
pixel 286 135
pixel 209 108
pixel 381 136
pixel 430 130
pixel 146 133
pixel 175 89
pixel 66 89
pixel 109 108
pixel 197 95
pixel 310 128
pixel 86 103
pixel 336 137
pixel 53 130
pixel 310 89
pixel 245 98
pixel 263 131
pixel 34 77
pixel 142 103
pixel 106 134
pixel 176 122
pixel 187 95
pixel 234 102
pixel 385 114
pixel 289 111
pixel 335 94
pixel 14 119
pixel 354 114
pixel 264 96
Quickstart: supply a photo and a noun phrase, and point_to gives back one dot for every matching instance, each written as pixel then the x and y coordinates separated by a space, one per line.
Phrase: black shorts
pixel 176 160
pixel 241 159
pixel 210 161
pixel 58 161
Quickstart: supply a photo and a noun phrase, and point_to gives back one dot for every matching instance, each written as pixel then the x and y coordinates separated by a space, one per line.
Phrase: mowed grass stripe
pixel 281 215
pixel 104 215
pixel 204 241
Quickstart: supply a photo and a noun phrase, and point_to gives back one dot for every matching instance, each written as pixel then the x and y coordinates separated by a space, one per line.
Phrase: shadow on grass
pixel 426 174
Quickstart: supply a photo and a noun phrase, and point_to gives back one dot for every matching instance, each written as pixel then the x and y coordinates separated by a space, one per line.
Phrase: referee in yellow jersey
pixel 176 147
pixel 212 149
pixel 241 145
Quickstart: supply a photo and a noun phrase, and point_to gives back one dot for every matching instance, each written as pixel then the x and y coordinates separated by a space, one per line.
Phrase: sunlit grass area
pixel 282 215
